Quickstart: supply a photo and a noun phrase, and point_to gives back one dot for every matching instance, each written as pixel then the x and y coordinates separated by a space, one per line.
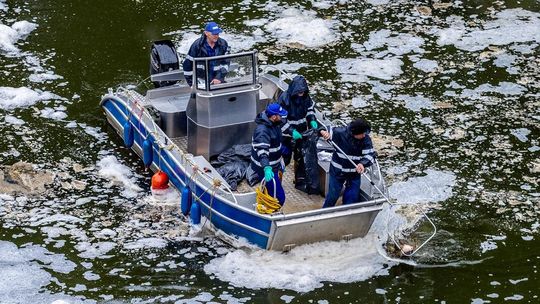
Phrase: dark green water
pixel 475 115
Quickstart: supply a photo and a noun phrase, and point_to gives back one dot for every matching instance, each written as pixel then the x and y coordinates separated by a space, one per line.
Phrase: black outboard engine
pixel 163 58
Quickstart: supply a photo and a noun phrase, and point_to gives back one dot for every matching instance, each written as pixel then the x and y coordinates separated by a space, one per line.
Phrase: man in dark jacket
pixel 207 46
pixel 266 158
pixel 301 114
pixel 355 141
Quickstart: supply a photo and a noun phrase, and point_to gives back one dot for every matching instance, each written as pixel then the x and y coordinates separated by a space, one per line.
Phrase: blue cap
pixel 275 109
pixel 213 28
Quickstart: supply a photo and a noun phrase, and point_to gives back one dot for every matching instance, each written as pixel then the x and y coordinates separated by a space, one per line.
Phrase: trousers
pixel 350 195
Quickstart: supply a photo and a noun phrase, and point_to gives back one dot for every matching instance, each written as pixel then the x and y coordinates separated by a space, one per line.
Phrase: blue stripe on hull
pixel 227 210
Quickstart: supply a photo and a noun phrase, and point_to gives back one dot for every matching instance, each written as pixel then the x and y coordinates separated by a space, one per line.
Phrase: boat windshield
pixel 220 72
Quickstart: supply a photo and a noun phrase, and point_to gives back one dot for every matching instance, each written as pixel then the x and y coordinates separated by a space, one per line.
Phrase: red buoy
pixel 160 180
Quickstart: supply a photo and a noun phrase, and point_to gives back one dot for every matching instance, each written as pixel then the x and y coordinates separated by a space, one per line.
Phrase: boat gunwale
pixel 271 217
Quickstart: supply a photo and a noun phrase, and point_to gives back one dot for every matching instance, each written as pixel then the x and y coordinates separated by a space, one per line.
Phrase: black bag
pixel 235 153
pixel 233 173
pixel 307 171
pixel 232 163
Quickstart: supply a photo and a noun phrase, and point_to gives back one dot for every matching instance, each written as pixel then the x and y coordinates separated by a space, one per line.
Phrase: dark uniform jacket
pixel 360 151
pixel 218 69
pixel 265 144
pixel 300 109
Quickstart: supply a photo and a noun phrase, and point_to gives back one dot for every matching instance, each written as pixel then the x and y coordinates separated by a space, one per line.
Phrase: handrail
pixel 275 68
pixel 158 138
pixel 225 56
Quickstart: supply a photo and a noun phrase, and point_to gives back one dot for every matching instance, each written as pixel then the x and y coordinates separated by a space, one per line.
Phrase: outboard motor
pixel 163 58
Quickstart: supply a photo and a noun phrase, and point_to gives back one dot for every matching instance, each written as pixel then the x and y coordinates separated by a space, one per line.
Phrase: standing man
pixel 207 46
pixel 266 160
pixel 354 140
pixel 301 115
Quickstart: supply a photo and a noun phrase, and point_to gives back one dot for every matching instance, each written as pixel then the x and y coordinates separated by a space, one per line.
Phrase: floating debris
pixel 24 178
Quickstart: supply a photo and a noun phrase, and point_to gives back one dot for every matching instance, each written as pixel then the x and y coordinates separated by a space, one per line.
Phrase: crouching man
pixel 266 160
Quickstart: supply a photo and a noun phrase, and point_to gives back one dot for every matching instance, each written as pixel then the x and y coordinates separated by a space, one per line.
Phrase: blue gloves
pixel 268 173
pixel 314 124
pixel 296 135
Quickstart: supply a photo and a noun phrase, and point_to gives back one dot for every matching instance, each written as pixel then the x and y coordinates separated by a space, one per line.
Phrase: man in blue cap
pixel 208 45
pixel 266 158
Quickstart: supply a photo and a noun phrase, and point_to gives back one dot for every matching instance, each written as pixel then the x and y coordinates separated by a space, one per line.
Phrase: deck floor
pixel 296 200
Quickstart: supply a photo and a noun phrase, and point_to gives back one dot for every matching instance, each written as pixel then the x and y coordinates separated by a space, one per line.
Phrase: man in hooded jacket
pixel 301 116
pixel 355 141
pixel 266 160
pixel 208 45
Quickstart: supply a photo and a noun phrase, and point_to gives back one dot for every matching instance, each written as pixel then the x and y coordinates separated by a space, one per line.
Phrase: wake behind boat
pixel 178 129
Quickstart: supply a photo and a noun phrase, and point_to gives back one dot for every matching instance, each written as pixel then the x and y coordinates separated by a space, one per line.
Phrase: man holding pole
pixel 353 145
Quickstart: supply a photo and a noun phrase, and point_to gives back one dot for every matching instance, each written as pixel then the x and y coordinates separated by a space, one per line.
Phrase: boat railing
pixel 282 74
pixel 137 100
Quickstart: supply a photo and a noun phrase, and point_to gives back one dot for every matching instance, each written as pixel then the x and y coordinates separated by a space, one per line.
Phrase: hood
pixel 298 84
pixel 263 119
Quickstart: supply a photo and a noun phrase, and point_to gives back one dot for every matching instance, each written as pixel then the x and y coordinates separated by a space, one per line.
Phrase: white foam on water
pixel 488 246
pixel 256 22
pixel 23 279
pixel 505 60
pixel 287 67
pixel 93 131
pixel 303 27
pixel 117 173
pixel 286 299
pixel 53 113
pixel 378 2
pixel 322 5
pixel 13 98
pixel 521 134
pixel 358 70
pixel 491 242
pixel 435 186
pixel 187 40
pixel 304 268
pixel 510 26
pixel 203 297
pixel 504 88
pixel 416 103
pixel 393 43
pixel 13 120
pixel 90 276
pixel 94 250
pixel 145 243
pixel 516 297
pixel 58 218
pixel 10 35
pixel 225 296
pixel 169 196
pixel 359 102
pixel 426 65
pixel 44 77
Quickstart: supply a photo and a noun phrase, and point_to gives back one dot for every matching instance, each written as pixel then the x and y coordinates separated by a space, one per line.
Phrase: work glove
pixel 296 135
pixel 268 174
pixel 314 124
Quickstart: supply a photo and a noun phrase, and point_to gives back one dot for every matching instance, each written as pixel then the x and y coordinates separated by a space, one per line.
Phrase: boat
pixel 177 128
